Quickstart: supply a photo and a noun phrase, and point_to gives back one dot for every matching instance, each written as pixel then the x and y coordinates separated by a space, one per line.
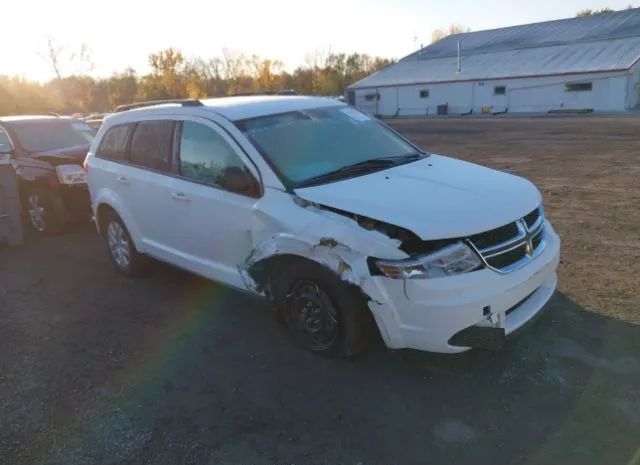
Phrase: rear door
pixel 146 182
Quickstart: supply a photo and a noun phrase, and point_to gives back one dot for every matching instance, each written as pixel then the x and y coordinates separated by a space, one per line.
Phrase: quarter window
pixel 207 157
pixel 114 143
pixel 151 145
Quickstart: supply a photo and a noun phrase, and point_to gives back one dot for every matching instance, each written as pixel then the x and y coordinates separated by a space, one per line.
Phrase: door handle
pixel 179 196
pixel 122 180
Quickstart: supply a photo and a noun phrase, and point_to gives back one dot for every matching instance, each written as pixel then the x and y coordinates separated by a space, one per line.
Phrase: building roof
pixel 598 43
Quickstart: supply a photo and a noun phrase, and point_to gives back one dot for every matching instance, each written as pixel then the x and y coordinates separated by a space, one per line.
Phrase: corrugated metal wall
pixel 610 92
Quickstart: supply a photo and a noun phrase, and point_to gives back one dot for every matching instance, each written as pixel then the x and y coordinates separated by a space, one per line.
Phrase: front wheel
pixel 41 210
pixel 323 313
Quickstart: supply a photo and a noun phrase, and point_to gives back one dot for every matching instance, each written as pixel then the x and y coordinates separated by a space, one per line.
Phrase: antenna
pixel 459 61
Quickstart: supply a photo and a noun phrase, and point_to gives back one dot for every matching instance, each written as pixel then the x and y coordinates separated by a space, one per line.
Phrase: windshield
pixel 51 134
pixel 303 145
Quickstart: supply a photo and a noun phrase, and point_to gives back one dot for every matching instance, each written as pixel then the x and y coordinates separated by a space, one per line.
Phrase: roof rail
pixel 266 92
pixel 150 103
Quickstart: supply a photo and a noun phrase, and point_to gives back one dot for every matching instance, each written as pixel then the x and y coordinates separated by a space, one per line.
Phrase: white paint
pixel 611 93
pixel 534 62
pixel 437 197
pixel 222 235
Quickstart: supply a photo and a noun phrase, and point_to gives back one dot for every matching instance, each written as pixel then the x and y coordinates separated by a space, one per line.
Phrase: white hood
pixel 435 198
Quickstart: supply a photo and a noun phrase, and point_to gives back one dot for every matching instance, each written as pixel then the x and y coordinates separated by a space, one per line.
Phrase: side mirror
pixel 240 181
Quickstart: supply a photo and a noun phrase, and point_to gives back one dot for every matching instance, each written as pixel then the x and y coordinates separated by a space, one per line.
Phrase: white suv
pixel 343 223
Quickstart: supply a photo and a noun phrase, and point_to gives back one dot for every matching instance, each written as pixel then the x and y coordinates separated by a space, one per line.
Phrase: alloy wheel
pixel 118 245
pixel 37 213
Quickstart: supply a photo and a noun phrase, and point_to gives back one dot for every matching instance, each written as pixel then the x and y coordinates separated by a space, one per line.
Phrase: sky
pixel 122 33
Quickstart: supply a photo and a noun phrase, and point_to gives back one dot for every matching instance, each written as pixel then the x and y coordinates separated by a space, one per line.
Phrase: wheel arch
pixel 348 265
pixel 101 210
pixel 104 205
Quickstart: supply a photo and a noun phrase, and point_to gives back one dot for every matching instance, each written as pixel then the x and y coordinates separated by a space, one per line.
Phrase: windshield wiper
pixel 367 166
pixel 406 158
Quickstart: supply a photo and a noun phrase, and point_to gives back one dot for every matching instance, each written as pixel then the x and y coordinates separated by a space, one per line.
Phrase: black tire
pixel 345 322
pixel 44 211
pixel 135 264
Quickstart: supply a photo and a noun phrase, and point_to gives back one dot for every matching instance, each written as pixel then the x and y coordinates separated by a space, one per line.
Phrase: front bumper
pixel 427 314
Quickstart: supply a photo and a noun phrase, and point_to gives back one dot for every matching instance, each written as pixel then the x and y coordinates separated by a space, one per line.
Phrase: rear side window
pixel 151 145
pixel 114 143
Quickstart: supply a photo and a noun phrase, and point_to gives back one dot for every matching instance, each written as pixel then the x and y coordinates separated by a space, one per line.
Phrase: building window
pixel 580 87
pixel 499 90
pixel 424 93
pixel 371 97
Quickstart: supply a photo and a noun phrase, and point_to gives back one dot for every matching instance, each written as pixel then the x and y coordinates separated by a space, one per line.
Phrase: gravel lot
pixel 99 369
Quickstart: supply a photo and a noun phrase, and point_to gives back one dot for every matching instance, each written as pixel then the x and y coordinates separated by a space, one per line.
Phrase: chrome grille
pixel 510 247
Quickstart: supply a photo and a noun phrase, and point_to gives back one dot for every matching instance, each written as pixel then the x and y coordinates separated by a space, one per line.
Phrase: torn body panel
pixel 421 314
pixel 341 245
pixel 281 226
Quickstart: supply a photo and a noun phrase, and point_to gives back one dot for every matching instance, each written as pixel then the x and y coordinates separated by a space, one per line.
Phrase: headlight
pixel 71 174
pixel 451 260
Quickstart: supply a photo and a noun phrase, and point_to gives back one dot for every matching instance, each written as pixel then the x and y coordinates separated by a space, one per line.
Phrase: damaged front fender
pixel 332 240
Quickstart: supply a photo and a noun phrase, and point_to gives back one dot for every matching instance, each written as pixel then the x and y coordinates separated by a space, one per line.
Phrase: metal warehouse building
pixel 587 63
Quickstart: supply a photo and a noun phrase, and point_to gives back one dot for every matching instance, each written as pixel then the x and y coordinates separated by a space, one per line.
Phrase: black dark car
pixel 47 153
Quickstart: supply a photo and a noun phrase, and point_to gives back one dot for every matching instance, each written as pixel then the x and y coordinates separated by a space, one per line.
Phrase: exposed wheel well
pixel 276 267
pixel 262 270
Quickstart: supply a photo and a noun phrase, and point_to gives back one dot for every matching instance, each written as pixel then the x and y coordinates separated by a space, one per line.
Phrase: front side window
pixel 114 143
pixel 306 144
pixel 205 156
pixel 43 135
pixel 424 93
pixel 151 145
pixel 500 90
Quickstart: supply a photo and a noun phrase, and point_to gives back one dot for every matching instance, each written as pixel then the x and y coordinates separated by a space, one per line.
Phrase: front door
pixel 209 215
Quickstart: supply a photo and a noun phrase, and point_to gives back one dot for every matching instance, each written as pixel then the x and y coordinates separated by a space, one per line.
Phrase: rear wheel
pixel 323 313
pixel 122 252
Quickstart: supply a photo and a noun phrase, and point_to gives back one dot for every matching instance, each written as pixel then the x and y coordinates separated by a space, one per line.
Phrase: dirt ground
pixel 99 369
